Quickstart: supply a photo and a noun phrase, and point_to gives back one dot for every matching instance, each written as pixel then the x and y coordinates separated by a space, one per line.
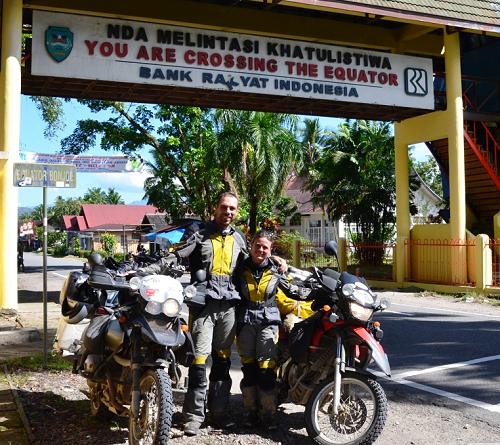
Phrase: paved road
pixel 444 354
pixel 447 349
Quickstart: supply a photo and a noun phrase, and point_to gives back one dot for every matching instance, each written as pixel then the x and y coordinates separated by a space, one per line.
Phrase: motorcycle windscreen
pixel 378 354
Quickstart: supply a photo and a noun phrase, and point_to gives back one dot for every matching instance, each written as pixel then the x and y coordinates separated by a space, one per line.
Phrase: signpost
pixel 44 175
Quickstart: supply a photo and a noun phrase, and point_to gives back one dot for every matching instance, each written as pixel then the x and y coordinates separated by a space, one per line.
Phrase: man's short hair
pixel 264 234
pixel 227 195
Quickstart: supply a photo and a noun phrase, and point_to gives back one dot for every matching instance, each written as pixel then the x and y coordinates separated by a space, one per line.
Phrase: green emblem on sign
pixel 58 42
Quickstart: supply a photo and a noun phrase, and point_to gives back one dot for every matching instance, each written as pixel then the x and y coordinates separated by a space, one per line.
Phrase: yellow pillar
pixel 10 113
pixel 455 118
pixel 483 262
pixel 402 201
pixel 496 225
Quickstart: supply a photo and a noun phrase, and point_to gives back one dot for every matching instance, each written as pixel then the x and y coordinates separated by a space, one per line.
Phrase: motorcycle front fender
pixel 161 332
pixel 378 354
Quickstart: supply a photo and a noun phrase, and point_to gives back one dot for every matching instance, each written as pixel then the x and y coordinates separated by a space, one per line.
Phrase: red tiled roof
pixel 74 223
pixel 294 189
pixel 68 222
pixel 114 214
pixel 82 225
pixel 107 217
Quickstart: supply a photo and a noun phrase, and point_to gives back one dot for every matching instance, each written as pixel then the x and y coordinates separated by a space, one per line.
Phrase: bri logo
pixel 416 83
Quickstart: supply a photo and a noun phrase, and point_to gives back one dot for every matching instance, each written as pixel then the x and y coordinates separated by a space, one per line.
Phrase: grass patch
pixel 35 363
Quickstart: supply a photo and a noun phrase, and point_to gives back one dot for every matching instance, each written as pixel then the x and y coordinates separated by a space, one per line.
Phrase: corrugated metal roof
pixel 467 14
pixel 99 215
pixel 468 10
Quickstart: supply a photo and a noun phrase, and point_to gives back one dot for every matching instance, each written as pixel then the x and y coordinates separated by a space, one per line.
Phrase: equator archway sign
pixel 76 46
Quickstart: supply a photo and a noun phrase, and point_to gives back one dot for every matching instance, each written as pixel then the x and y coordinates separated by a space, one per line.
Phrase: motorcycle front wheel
pixel 361 415
pixel 153 424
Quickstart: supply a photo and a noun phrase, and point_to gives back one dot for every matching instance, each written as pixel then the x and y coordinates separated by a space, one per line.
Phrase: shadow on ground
pixel 76 427
pixel 32 296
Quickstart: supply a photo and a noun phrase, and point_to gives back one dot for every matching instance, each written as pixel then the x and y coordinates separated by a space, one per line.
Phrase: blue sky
pixel 129 185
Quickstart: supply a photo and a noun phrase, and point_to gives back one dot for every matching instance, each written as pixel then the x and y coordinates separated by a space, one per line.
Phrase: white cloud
pixel 121 182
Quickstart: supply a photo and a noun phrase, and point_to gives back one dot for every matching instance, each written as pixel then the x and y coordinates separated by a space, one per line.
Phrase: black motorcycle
pixel 130 350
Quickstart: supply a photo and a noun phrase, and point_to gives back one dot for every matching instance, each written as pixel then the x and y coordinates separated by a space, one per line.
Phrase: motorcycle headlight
pixel 360 312
pixel 135 283
pixel 153 307
pixel 171 307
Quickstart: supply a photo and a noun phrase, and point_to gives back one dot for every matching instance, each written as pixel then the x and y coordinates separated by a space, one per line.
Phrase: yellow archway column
pixel 10 114
pixel 455 124
pixel 402 202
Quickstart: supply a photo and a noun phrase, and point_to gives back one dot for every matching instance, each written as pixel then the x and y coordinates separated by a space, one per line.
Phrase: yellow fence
pixel 437 261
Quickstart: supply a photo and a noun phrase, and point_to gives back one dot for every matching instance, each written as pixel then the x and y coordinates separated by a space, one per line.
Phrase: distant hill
pixel 141 202
pixel 21 211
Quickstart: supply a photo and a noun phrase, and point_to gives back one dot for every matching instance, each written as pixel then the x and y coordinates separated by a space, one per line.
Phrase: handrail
pixel 485 163
pixel 491 146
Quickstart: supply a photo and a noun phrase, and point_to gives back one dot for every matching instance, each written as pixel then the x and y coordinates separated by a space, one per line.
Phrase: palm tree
pixel 113 197
pixel 257 151
pixel 313 141
pixel 354 179
pixel 95 195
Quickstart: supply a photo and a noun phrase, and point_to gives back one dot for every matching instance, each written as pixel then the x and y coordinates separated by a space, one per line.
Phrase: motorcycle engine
pixel 300 390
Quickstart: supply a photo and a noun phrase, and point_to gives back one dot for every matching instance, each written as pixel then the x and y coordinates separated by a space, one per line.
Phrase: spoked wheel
pixel 360 418
pixel 155 412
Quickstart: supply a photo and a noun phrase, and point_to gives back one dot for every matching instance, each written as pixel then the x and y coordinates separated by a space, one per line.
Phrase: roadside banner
pixel 87 164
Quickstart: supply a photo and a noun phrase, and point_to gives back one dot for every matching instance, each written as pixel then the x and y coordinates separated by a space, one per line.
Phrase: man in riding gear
pixel 216 249
pixel 261 285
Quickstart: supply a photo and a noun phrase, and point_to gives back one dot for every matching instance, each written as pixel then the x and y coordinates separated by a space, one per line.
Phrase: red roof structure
pixel 295 188
pixel 109 217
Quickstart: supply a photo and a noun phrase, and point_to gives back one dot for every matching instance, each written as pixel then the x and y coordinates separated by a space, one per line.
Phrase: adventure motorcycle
pixel 130 349
pixel 326 366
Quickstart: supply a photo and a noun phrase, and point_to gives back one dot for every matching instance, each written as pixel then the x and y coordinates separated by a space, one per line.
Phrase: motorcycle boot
pixel 249 394
pixel 194 401
pixel 218 392
pixel 267 398
pixel 267 413
pixel 248 388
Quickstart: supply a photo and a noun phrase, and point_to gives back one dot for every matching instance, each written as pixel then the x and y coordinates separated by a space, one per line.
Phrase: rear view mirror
pixel 331 248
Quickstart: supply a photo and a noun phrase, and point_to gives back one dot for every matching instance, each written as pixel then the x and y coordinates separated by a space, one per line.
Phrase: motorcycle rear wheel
pixel 155 414
pixel 361 417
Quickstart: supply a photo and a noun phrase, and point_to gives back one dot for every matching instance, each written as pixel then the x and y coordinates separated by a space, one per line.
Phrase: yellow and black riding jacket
pixel 259 287
pixel 218 254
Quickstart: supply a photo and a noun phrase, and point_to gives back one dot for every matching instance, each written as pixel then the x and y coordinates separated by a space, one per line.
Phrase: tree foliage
pixel 180 137
pixel 258 151
pixel 354 179
pixel 184 180
pixel 429 171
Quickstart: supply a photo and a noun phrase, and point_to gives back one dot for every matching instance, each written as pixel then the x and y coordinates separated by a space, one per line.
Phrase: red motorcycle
pixel 327 367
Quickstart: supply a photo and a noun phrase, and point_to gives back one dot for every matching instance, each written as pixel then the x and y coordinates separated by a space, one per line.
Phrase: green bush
pixel 283 245
pixel 74 246
pixel 60 250
pixel 84 253
pixel 56 238
pixel 108 241
pixel 119 257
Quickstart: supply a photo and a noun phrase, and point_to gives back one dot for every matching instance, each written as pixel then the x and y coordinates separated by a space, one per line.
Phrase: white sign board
pixel 76 46
pixel 87 164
